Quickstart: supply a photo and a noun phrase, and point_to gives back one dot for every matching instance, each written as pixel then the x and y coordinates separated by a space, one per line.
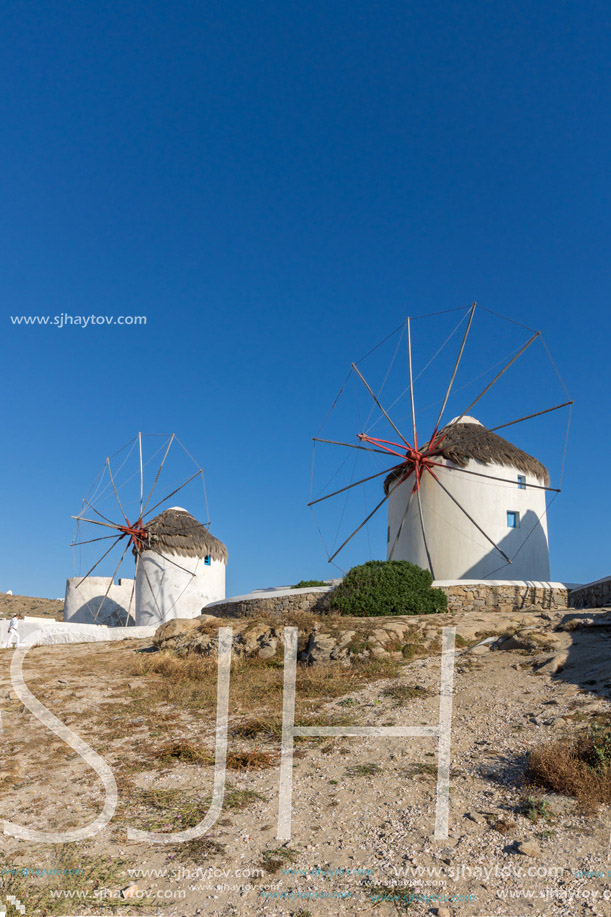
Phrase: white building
pixel 91 601
pixel 180 569
pixel 513 514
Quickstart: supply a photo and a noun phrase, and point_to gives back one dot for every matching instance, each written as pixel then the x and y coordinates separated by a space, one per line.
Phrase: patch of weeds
pixel 266 727
pixel 547 833
pixel 238 799
pixel 235 760
pixel 358 644
pixel 423 769
pixel 247 760
pixel 400 898
pixel 348 702
pixel 71 874
pixel 305 583
pixel 186 751
pixel 364 770
pixel 403 693
pixel 333 782
pixel 461 641
pixel 536 809
pixel 274 859
pixel 160 809
pixel 198 850
pixel 411 650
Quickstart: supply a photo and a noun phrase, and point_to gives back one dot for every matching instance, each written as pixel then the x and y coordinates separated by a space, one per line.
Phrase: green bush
pixel 387 587
pixel 305 583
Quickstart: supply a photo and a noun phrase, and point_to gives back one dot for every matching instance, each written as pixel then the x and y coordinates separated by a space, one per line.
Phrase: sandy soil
pixel 363 808
pixel 28 605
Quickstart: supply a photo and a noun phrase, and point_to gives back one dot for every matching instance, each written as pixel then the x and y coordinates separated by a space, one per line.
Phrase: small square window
pixel 522 481
pixel 513 519
pixel 207 560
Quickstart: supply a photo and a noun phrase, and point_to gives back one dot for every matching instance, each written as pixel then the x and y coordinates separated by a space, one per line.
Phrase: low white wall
pixel 45 631
pixel 85 603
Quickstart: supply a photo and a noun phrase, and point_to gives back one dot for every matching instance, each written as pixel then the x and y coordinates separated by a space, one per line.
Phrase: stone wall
pixel 300 601
pixel 504 597
pixel 592 595
pixel 469 595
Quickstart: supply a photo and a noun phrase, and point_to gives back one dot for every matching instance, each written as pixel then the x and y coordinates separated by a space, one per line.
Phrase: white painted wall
pixel 165 591
pixel 458 550
pixel 35 631
pixel 83 599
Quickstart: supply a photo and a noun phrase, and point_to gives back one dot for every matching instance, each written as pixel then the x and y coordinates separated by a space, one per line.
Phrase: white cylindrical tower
pixel 512 515
pixel 180 568
pixel 98 600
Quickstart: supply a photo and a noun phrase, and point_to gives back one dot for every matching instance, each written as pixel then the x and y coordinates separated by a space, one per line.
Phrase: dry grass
pixel 274 859
pixel 580 767
pixel 189 753
pixel 190 682
pixel 403 693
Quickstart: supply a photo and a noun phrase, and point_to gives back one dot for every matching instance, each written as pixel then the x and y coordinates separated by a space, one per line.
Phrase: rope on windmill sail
pixel 485 372
pixel 556 370
pixel 505 318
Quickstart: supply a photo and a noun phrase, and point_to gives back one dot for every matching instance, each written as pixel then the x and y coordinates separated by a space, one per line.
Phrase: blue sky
pixel 275 186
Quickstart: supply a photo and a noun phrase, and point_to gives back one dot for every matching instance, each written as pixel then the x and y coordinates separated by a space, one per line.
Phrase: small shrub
pixel 387 587
pixel 535 809
pixel 306 583
pixel 580 768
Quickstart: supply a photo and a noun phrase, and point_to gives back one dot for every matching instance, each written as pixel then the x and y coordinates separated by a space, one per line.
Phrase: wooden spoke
pixel 364 522
pixel 141 473
pixel 97 564
pixel 501 426
pixel 334 442
pixel 73 544
pixel 411 381
pixel 97 512
pixel 356 484
pixel 96 522
pixel 369 389
pixel 112 580
pixel 468 515
pixel 159 472
pixel 152 592
pixel 426 545
pixel 131 596
pixel 184 484
pixel 458 359
pixel 112 481
pixel 165 557
pixel 491 477
pixel 498 375
pixel 396 541
pixel 372 513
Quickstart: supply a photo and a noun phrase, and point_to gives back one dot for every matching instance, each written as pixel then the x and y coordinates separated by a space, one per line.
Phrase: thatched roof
pixel 470 440
pixel 175 531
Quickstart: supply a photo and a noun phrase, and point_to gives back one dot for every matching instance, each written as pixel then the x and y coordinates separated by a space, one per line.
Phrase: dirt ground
pixel 28 605
pixel 363 809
